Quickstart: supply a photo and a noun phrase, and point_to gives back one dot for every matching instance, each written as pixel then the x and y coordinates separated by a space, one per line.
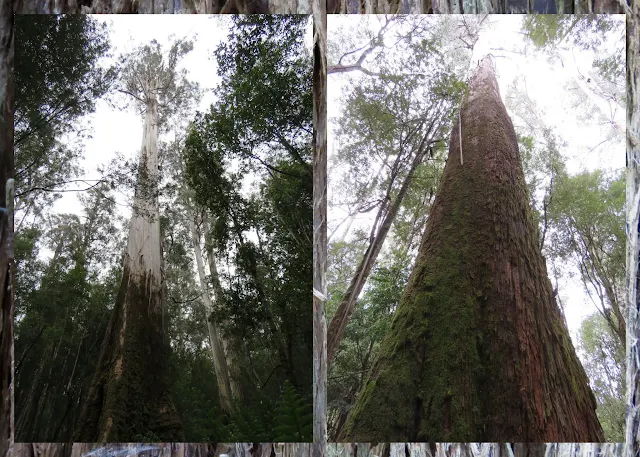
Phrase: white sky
pixel 121 131
pixel 546 86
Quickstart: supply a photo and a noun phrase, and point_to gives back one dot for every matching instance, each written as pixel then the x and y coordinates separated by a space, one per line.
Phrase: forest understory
pixel 170 300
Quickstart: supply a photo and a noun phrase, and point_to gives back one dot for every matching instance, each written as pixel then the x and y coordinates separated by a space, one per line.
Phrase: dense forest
pixel 476 220
pixel 171 300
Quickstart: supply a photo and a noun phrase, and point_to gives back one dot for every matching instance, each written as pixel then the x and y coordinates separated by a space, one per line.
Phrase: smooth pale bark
pixel 217 352
pixel 347 303
pixel 233 367
pixel 477 349
pixel 129 394
pixel 319 447
pixel 632 436
pixel 6 226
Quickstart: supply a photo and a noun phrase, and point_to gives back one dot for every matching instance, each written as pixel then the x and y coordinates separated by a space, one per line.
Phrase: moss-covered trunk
pixel 129 396
pixel 477 350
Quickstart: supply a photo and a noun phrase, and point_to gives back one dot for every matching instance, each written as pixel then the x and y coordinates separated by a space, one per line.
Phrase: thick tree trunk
pixel 219 359
pixel 233 367
pixel 632 436
pixel 6 226
pixel 477 350
pixel 129 396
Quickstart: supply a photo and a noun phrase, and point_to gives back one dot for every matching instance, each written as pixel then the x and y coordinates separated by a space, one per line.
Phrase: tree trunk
pixel 129 396
pixel 6 225
pixel 319 447
pixel 632 436
pixel 217 352
pixel 233 367
pixel 348 302
pixel 477 350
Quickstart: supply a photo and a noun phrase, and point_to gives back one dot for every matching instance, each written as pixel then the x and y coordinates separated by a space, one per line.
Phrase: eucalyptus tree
pixel 59 77
pixel 477 349
pixel 390 130
pixel 263 126
pixel 130 395
pixel 602 88
pixel 62 308
pixel 603 360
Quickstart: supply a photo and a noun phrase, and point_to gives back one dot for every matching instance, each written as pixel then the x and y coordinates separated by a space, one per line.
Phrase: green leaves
pixel 294 417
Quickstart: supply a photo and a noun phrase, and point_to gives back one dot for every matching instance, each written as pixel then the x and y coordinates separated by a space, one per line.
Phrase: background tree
pixel 54 95
pixel 604 362
pixel 402 117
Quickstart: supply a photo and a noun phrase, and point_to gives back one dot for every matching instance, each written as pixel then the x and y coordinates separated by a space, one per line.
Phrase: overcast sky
pixel 546 85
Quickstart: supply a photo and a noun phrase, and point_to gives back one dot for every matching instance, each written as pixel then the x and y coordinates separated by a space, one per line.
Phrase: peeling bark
pixel 632 437
pixel 129 395
pixel 477 349
pixel 217 352
pixel 163 6
pixel 319 229
pixel 6 226
pixel 233 367
pixel 473 6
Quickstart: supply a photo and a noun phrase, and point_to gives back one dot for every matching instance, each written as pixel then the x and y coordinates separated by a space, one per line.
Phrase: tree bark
pixel 347 303
pixel 319 447
pixel 129 396
pixel 217 352
pixel 233 367
pixel 632 436
pixel 473 6
pixel 477 350
pixel 163 6
pixel 6 226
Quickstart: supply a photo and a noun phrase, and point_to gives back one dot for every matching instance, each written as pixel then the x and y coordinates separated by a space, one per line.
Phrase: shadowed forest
pixel 476 229
pixel 163 291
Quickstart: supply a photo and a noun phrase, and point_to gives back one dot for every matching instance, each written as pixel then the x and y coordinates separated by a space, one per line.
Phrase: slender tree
pixel 129 395
pixel 217 350
pixel 477 350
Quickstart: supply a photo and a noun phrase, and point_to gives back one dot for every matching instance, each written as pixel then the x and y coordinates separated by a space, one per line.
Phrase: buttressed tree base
pixel 478 350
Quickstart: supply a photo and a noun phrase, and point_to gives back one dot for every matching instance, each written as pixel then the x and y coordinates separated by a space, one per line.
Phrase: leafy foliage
pixel 604 363
pixel 58 78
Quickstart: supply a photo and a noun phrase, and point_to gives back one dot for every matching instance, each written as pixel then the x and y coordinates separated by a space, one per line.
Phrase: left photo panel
pixel 163 229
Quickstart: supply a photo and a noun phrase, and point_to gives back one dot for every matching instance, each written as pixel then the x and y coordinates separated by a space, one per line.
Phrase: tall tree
pixel 477 350
pixel 59 76
pixel 130 395
pixel 390 129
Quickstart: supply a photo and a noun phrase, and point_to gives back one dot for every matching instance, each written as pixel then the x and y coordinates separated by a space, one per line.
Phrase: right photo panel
pixel 476 232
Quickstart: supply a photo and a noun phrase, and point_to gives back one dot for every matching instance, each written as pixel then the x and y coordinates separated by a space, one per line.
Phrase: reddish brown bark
pixel 478 350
